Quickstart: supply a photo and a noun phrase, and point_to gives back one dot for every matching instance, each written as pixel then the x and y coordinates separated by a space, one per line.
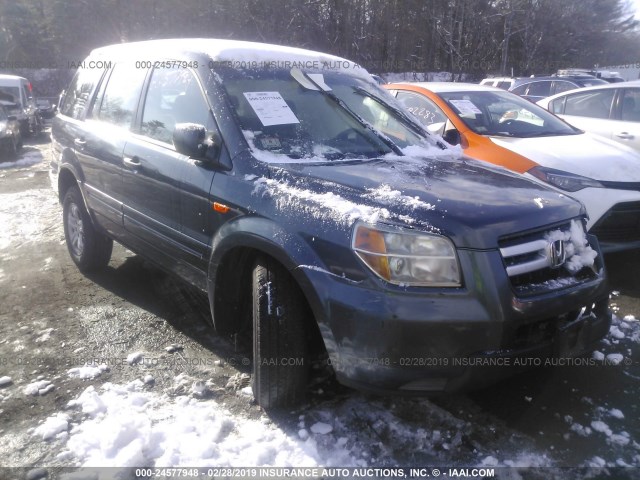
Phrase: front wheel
pixel 89 249
pixel 279 341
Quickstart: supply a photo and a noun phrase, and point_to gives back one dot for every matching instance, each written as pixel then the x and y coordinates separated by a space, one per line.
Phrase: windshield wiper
pixel 387 141
pixel 545 133
pixel 416 126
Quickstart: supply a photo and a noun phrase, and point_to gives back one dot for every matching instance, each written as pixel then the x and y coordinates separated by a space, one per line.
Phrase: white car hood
pixel 584 154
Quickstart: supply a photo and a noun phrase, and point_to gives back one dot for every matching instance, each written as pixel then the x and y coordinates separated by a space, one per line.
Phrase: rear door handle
pixel 80 143
pixel 131 162
pixel 624 135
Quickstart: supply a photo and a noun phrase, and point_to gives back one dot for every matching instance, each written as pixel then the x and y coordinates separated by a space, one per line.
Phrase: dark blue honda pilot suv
pixel 294 192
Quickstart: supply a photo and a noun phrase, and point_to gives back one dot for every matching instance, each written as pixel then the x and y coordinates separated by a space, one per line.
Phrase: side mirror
pixel 452 137
pixel 436 128
pixel 189 139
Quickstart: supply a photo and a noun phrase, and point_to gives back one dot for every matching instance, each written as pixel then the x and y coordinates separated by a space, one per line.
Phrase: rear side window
pixel 590 104
pixel 506 85
pixel 427 112
pixel 173 96
pixel 563 86
pixel 79 92
pixel 120 98
pixel 539 89
pixel 520 89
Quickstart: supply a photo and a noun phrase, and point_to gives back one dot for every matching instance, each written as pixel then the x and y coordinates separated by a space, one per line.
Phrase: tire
pixel 89 249
pixel 13 148
pixel 280 363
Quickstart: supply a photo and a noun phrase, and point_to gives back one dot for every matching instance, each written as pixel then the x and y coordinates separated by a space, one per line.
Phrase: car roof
pixel 571 78
pixel 236 51
pixel 12 77
pixel 438 87
pixel 608 86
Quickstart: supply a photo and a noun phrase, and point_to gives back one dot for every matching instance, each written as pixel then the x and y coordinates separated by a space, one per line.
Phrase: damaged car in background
pixel 319 218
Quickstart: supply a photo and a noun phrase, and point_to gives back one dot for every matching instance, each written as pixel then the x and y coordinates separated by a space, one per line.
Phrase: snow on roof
pixel 11 77
pixel 240 53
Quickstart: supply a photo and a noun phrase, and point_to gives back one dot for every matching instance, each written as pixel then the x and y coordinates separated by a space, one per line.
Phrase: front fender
pixel 260 235
pixel 265 236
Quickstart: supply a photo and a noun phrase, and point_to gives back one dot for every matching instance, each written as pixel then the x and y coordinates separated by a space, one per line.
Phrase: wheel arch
pixel 66 180
pixel 235 250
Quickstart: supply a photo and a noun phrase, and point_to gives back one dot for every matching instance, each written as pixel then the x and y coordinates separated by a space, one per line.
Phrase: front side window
pixel 557 106
pixel 595 104
pixel 422 107
pixel 630 105
pixel 121 95
pixel 173 97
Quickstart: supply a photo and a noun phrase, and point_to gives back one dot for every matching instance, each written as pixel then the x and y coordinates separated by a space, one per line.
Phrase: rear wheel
pixel 89 249
pixel 279 341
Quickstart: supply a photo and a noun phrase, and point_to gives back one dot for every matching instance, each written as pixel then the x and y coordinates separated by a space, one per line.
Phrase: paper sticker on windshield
pixel 466 107
pixel 271 108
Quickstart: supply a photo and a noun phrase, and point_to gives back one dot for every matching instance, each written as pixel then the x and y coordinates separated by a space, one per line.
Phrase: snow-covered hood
pixel 466 200
pixel 588 155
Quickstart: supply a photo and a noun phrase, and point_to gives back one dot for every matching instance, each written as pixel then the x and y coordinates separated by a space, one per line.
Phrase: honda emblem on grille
pixel 557 253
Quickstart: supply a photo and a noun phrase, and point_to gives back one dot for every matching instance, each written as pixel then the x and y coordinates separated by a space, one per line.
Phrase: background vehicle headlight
pixel 569 182
pixel 407 258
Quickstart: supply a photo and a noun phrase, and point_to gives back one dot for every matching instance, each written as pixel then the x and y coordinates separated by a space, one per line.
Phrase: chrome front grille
pixel 527 257
pixel 534 262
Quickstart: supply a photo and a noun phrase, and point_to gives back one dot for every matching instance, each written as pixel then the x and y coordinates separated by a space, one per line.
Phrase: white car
pixel 612 111
pixel 502 128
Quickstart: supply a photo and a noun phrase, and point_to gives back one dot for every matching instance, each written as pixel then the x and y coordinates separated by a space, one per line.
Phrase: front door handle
pixel 624 135
pixel 80 142
pixel 131 162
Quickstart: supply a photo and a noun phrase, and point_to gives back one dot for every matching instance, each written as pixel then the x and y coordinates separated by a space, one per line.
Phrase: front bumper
pixel 383 338
pixel 614 216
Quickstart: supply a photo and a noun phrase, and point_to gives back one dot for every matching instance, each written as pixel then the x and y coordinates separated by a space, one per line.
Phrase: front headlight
pixel 407 258
pixel 569 182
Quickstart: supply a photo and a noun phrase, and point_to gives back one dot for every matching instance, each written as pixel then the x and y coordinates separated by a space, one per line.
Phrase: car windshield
pixel 354 119
pixel 505 114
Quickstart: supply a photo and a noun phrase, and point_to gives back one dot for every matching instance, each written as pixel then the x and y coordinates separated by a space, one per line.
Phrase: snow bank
pixel 126 425
pixel 26 160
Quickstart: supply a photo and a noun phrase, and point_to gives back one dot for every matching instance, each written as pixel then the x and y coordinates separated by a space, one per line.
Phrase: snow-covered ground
pixel 137 424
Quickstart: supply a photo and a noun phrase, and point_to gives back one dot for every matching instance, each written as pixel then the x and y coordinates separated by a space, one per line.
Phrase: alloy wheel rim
pixel 75 228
